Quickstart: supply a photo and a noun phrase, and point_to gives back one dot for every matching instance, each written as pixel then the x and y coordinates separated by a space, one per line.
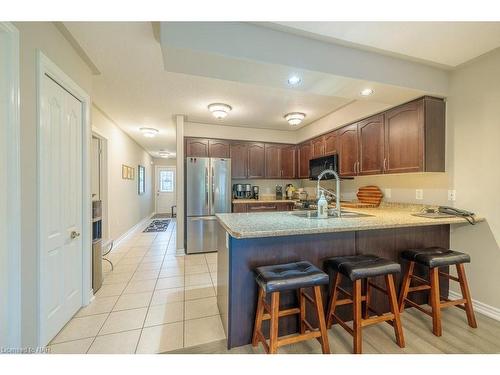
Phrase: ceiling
pixel 136 89
pixel 448 44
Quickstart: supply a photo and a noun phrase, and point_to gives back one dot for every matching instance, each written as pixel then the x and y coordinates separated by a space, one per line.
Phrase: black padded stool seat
pixel 357 267
pixel 435 257
pixel 289 276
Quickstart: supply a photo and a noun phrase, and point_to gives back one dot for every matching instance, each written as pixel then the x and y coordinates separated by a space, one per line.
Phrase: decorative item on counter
pixel 289 190
pixel 322 207
pixel 279 192
pixel 370 195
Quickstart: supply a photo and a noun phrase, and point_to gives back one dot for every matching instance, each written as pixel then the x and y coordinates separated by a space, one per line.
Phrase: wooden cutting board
pixel 370 195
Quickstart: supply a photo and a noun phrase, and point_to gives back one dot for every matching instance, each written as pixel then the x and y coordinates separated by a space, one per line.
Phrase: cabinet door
pixel 331 143
pixel 371 145
pixel 218 149
pixel 404 138
pixel 196 147
pixel 273 163
pixel 288 162
pixel 304 156
pixel 348 150
pixel 239 207
pixel 284 206
pixel 239 160
pixel 318 147
pixel 256 160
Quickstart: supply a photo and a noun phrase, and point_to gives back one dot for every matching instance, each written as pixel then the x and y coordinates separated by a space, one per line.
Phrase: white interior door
pixel 165 189
pixel 60 208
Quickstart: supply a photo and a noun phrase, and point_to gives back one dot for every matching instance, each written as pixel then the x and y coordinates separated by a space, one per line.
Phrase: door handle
pixel 213 187
pixel 206 187
pixel 75 234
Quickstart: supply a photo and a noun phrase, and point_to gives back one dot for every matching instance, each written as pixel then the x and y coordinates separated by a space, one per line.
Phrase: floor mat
pixel 157 226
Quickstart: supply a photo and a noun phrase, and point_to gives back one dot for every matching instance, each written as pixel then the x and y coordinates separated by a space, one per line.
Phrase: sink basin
pixel 314 214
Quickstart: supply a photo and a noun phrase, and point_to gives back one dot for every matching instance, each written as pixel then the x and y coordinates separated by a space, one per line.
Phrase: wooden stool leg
pixel 318 302
pixel 333 301
pixel 391 293
pixel 273 335
pixel 405 286
pixel 302 306
pixel 464 286
pixel 356 308
pixel 366 311
pixel 258 318
pixel 435 301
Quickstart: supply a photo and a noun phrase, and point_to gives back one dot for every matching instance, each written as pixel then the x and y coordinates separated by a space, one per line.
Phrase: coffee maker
pixel 248 191
pixel 239 191
pixel 279 192
pixel 255 191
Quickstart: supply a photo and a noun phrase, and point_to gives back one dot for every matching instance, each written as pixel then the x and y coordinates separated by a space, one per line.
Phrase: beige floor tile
pixel 170 282
pixel 149 266
pixel 211 257
pixel 131 260
pixel 201 331
pixel 199 308
pixel 124 268
pixel 162 338
pixel 162 314
pixel 145 275
pixel 197 268
pixel 125 320
pixel 195 259
pixel 212 267
pixel 140 286
pixel 172 271
pixel 116 343
pixel 117 278
pixel 71 347
pixel 198 279
pixel 152 259
pixel 80 328
pixel 199 291
pixel 99 305
pixel 133 301
pixel 108 290
pixel 164 296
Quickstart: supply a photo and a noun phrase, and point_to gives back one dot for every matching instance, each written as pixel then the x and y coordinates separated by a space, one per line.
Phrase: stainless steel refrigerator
pixel 208 192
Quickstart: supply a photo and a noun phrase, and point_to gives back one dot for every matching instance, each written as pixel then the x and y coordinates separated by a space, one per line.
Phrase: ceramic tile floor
pixel 154 301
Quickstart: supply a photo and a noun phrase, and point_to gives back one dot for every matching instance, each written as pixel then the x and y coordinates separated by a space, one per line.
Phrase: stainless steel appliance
pixel 279 192
pixel 255 192
pixel 96 245
pixel 318 165
pixel 238 191
pixel 208 191
pixel 248 191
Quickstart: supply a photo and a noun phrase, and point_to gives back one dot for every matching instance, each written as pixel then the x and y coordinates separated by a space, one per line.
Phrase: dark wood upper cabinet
pixel 197 147
pixel 318 147
pixel 304 155
pixel 239 160
pixel 348 150
pixel 371 145
pixel 331 143
pixel 218 148
pixel 404 138
pixel 256 160
pixel 273 160
pixel 288 161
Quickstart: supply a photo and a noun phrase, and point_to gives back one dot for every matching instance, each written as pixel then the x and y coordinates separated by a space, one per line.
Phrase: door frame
pixel 10 182
pixel 106 236
pixel 46 67
pixel 157 167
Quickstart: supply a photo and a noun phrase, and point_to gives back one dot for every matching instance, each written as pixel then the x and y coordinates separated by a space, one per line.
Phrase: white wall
pixel 33 36
pixel 125 206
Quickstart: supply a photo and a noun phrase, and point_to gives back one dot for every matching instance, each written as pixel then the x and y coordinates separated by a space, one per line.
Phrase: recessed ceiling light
pixel 149 132
pixel 366 92
pixel 295 118
pixel 294 80
pixel 219 110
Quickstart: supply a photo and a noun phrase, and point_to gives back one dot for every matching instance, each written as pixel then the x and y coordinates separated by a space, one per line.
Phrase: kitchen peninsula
pixel 246 241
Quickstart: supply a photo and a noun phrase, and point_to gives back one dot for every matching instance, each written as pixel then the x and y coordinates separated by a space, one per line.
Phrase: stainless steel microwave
pixel 318 165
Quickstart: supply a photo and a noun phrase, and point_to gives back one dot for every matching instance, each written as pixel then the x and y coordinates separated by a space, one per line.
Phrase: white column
pixel 179 186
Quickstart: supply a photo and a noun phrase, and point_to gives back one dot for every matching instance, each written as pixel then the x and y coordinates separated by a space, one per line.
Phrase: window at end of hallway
pixel 166 181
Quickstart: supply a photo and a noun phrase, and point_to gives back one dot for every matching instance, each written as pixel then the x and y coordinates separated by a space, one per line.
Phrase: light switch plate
pixel 452 195
pixel 419 194
pixel 387 193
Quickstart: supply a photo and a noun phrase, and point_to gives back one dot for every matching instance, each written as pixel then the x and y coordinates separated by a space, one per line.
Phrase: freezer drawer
pixel 201 234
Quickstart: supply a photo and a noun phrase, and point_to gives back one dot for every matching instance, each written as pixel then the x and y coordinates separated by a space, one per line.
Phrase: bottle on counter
pixel 322 207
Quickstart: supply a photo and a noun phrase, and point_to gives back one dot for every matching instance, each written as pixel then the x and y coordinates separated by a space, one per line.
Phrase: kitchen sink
pixel 331 214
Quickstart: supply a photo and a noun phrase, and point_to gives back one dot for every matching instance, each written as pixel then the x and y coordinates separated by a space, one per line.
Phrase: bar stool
pixel 360 268
pixel 282 277
pixel 433 258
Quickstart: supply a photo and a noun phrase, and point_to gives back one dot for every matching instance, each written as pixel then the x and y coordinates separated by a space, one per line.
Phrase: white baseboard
pixel 479 307
pixel 133 230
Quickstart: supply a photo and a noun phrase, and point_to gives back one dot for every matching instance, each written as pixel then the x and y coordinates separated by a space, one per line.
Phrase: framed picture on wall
pixel 141 178
pixel 124 172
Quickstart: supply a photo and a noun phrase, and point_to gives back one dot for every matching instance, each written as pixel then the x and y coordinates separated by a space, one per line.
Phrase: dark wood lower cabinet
pixel 263 206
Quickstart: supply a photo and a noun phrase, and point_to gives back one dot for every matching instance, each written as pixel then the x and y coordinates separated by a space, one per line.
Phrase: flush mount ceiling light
pixel 219 110
pixel 295 118
pixel 294 80
pixel 366 92
pixel 149 132
pixel 164 154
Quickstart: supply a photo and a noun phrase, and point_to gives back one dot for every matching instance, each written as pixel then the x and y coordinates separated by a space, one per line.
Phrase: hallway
pixel 154 301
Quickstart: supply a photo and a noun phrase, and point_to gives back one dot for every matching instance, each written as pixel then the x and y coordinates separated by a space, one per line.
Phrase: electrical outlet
pixel 419 194
pixel 387 193
pixel 452 195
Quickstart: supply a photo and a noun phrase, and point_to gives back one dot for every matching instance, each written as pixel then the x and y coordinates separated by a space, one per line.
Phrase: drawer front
pixel 262 207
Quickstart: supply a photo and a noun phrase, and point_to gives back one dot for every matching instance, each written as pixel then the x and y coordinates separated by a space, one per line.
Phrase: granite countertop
pixel 264 201
pixel 274 224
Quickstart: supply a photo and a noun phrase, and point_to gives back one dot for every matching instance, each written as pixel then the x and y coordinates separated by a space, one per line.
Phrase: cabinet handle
pixel 385 168
pixel 354 167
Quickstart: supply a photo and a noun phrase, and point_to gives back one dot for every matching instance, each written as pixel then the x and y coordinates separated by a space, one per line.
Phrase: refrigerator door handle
pixel 213 190
pixel 206 187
